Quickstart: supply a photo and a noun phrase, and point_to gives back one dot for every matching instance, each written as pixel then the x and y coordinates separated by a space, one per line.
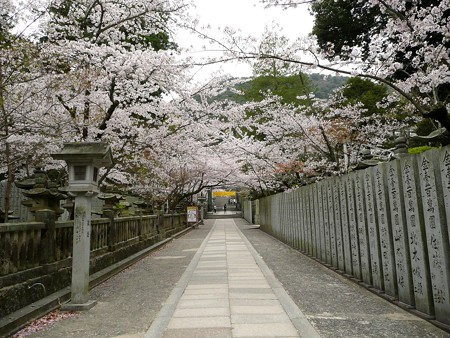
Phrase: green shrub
pixel 421 149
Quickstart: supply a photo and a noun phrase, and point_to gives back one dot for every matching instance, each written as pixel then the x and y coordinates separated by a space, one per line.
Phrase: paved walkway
pixel 228 291
pixel 213 283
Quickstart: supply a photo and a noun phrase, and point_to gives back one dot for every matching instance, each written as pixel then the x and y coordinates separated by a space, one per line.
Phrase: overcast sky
pixel 250 17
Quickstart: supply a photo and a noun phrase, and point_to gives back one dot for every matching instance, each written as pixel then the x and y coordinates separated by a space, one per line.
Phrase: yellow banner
pixel 224 193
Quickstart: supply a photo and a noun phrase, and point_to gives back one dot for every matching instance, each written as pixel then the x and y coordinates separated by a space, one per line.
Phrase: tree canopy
pixel 109 70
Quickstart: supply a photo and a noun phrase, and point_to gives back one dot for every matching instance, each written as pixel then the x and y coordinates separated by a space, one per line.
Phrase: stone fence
pixel 385 226
pixel 40 252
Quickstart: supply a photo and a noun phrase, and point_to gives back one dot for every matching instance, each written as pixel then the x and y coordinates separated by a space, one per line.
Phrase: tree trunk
pixel 9 161
pixel 9 182
pixel 441 115
pixel 86 114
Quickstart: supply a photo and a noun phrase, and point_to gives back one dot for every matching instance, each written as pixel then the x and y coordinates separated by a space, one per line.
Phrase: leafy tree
pixel 324 85
pixel 338 36
pixel 341 24
pixel 289 88
pixel 370 94
pixel 405 46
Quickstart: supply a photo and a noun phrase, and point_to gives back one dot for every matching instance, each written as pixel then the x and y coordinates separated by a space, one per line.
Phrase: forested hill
pixel 322 86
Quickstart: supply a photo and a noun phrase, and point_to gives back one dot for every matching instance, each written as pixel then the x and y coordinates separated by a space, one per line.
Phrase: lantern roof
pixel 96 152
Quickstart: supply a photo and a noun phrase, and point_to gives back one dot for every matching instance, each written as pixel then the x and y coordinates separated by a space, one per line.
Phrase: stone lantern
pixel 83 161
pixel 201 203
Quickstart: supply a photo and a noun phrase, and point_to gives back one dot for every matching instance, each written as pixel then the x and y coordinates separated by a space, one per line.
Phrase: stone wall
pixel 39 253
pixel 385 226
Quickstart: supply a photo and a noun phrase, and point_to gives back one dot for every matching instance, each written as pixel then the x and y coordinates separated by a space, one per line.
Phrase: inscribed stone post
pixel 399 233
pixel 303 220
pixel 385 232
pixel 316 221
pixel 257 212
pixel 81 252
pixel 289 213
pixel 437 237
pixel 416 236
pixel 282 218
pixel 331 220
pixel 298 194
pixel 363 234
pixel 353 229
pixel 312 220
pixel 326 224
pixel 274 200
pixel 372 227
pixel 444 162
pixel 296 210
pixel 337 223
pixel 293 214
pixel 345 226
pixel 270 224
pixel 323 254
pixel 300 219
pixel 307 220
pixel 263 214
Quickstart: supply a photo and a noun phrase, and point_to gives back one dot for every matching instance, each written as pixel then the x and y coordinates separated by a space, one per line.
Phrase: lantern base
pixel 79 307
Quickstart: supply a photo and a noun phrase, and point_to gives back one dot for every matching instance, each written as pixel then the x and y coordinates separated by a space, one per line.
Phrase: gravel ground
pixel 336 306
pixel 129 301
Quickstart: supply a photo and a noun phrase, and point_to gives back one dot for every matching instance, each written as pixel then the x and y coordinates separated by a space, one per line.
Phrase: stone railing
pixel 40 252
pixel 385 226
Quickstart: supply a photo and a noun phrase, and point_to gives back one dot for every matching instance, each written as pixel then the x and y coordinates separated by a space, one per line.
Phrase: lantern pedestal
pixel 81 255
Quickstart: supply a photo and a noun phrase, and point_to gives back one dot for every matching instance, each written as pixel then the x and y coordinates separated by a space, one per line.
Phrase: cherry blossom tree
pixel 105 70
pixel 418 34
pixel 20 67
pixel 109 63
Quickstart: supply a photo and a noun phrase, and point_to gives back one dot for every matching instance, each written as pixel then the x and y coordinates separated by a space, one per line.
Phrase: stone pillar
pixel 333 261
pixel 415 224
pixel 47 249
pixel 81 254
pixel 399 233
pixel 373 233
pixel 338 224
pixel 345 226
pixel 257 212
pixel 160 221
pixel 303 241
pixel 385 231
pixel 436 232
pixel 109 214
pixel 362 225
pixel 316 222
pixel 326 224
pixel 353 227
pixel 321 222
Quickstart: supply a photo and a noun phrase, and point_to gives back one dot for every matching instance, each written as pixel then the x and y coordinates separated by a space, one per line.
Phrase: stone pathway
pixel 228 291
